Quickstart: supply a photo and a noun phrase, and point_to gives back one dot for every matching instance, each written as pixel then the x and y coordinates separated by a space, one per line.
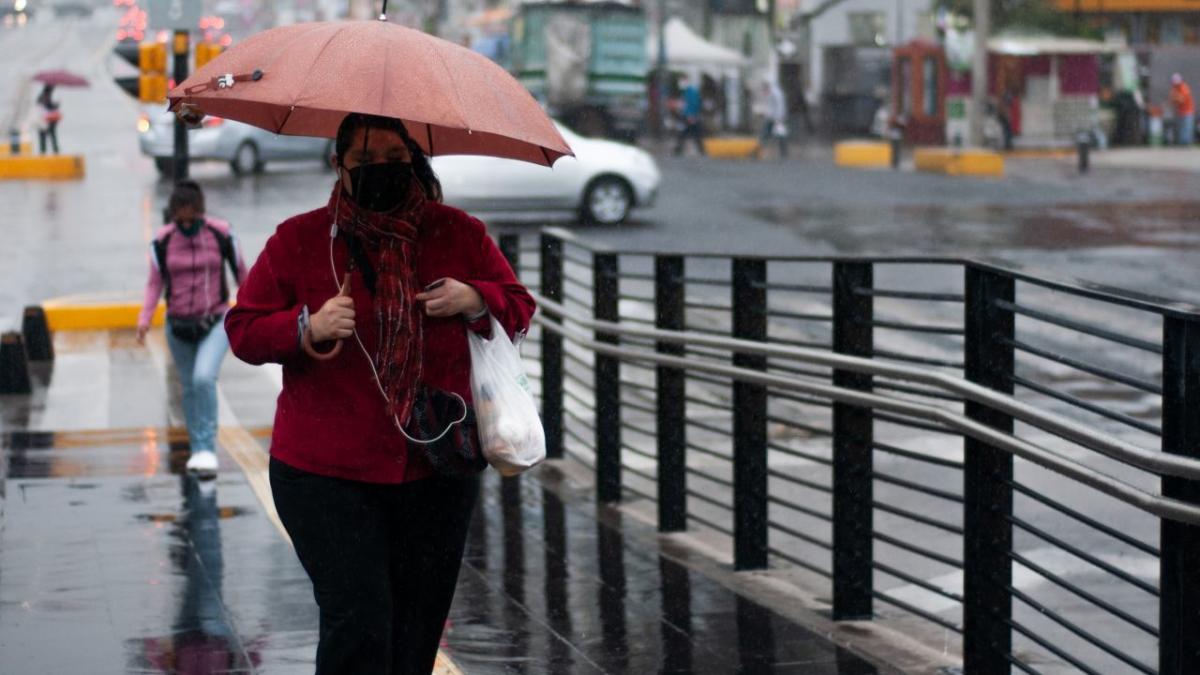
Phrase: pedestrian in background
pixel 402 278
pixel 1185 110
pixel 692 112
pixel 187 264
pixel 772 105
pixel 48 117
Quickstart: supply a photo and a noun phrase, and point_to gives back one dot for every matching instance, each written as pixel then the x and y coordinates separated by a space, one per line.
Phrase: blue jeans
pixel 198 364
pixel 1187 130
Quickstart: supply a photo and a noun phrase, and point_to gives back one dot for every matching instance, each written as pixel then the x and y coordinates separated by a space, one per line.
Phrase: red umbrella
pixel 61 78
pixel 304 79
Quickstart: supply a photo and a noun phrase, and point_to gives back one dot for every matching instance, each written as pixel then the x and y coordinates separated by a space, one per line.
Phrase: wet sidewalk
pixel 113 561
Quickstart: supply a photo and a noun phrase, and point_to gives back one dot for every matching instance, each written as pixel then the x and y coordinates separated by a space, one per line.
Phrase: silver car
pixel 245 147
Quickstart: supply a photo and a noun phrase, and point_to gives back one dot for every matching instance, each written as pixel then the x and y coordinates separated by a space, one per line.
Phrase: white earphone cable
pixel 333 230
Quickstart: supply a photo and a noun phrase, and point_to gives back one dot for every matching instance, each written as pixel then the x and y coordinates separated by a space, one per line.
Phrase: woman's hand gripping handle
pixel 335 321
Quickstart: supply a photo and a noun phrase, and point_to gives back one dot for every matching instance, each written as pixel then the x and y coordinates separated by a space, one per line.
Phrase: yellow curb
pixel 54 167
pixel 863 154
pixel 959 161
pixel 731 147
pixel 76 315
pixel 26 148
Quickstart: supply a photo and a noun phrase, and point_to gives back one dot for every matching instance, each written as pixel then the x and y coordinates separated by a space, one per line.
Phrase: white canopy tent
pixel 690 53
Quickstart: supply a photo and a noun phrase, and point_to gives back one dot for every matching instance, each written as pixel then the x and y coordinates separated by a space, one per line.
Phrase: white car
pixel 247 148
pixel 602 183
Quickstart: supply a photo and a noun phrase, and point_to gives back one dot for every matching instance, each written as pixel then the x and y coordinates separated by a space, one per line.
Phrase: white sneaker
pixel 203 463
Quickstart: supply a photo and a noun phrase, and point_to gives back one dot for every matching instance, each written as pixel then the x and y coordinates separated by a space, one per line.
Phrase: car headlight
pixel 143 124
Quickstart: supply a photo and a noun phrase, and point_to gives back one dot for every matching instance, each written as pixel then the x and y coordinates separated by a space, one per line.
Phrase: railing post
pixel 853 437
pixel 510 246
pixel 670 391
pixel 608 381
pixel 1179 603
pixel 551 283
pixel 749 419
pixel 987 475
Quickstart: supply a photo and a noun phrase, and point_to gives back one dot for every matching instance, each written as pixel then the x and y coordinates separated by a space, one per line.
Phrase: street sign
pixel 174 14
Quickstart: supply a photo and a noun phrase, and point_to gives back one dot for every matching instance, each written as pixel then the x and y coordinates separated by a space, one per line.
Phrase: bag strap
pixel 160 256
pixel 228 256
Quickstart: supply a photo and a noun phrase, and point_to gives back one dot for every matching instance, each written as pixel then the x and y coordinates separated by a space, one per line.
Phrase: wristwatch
pixel 302 324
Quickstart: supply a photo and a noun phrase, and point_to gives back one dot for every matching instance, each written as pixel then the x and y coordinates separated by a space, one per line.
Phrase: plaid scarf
pixel 394 234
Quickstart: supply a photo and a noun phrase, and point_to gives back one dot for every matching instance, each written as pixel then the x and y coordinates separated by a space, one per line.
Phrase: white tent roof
pixel 687 49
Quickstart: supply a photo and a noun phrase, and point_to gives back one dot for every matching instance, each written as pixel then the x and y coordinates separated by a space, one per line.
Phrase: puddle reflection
pixel 610 602
pixel 202 641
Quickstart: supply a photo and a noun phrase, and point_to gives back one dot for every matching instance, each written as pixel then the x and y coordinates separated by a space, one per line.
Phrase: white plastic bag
pixel 509 427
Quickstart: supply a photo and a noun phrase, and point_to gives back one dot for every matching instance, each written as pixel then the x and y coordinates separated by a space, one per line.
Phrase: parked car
pixel 603 183
pixel 246 148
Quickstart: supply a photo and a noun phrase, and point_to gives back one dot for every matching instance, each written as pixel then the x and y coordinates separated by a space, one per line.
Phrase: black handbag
pixel 458 452
pixel 193 329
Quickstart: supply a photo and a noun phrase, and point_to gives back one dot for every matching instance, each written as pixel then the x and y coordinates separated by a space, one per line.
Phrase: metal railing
pixel 1001 455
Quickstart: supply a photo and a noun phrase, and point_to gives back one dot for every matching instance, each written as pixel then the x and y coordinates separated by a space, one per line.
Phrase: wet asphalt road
pixel 1123 228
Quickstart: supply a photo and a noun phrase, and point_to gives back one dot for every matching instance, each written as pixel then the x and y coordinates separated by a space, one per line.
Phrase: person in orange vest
pixel 1185 110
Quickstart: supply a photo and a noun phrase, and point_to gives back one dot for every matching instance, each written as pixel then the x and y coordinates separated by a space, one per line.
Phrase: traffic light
pixel 152 62
pixel 152 57
pixel 205 52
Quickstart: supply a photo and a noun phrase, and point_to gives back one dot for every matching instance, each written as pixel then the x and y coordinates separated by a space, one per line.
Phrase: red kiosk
pixel 919 92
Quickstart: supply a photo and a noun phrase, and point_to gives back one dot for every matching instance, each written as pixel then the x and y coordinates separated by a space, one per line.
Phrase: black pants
pixel 383 560
pixel 49 133
pixel 692 129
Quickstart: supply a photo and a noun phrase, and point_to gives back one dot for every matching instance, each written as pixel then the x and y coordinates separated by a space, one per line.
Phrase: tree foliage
pixel 1033 15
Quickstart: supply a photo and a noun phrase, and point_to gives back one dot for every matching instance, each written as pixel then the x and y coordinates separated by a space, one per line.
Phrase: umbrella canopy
pixel 60 78
pixel 304 79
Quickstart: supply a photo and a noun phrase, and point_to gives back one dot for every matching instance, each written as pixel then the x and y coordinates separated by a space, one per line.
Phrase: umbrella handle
pixel 306 341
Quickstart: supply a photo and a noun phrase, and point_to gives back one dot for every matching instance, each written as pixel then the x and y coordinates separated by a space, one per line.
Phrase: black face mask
pixel 189 228
pixel 381 187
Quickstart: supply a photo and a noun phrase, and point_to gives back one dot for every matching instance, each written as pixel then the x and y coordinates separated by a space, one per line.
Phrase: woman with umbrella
pixel 374 457
pixel 380 534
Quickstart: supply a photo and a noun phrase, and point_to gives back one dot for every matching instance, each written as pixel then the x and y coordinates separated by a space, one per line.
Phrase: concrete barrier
pixel 52 167
pixel 959 161
pixel 39 343
pixel 863 154
pixel 733 147
pixel 14 366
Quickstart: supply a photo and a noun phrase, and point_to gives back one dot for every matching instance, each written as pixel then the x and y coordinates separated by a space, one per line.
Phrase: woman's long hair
pixel 420 161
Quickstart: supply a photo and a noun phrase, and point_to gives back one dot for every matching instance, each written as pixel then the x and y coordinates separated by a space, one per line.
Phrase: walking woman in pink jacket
pixel 187 264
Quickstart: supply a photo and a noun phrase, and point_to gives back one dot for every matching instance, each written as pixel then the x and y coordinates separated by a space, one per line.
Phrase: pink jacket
pixel 196 267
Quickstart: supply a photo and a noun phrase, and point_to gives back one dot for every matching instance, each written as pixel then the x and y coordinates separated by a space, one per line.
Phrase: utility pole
pixel 660 70
pixel 179 163
pixel 979 70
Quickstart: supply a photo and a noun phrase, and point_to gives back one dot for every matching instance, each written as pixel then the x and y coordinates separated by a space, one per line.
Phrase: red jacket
pixel 330 418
